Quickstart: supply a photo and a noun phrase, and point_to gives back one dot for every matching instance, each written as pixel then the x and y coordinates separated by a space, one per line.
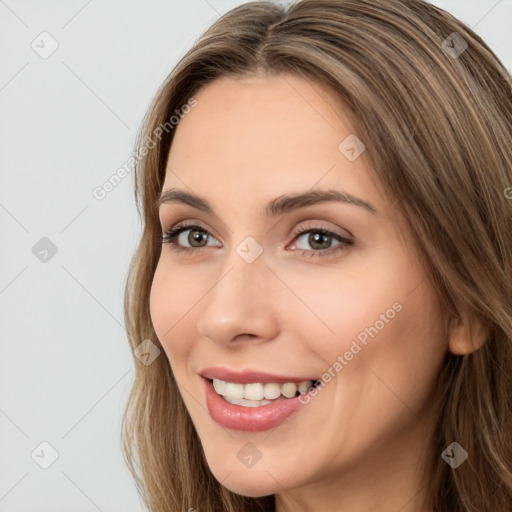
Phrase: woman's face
pixel 246 293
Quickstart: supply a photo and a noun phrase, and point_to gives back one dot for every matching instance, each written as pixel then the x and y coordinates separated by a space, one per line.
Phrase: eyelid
pixel 187 224
pixel 299 229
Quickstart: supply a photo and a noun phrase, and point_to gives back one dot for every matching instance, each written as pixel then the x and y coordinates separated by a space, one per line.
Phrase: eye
pixel 319 239
pixel 197 237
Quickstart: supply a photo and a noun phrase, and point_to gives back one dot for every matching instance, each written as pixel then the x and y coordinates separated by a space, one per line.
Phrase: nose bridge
pixel 239 301
pixel 243 269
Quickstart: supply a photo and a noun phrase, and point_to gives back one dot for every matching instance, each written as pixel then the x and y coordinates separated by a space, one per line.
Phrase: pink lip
pixel 249 419
pixel 249 376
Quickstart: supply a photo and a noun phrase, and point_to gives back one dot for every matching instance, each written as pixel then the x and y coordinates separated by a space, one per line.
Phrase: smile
pixel 258 394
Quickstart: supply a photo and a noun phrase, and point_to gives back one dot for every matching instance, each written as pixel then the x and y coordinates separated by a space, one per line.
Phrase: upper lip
pixel 248 376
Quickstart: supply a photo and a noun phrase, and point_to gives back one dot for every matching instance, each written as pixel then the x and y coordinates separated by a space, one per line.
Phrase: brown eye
pixel 320 241
pixel 197 237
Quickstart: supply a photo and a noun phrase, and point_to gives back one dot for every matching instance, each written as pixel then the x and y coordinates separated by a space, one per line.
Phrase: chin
pixel 252 482
pixel 247 485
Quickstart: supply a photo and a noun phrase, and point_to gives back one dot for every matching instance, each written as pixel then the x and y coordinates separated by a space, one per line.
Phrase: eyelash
pixel 170 236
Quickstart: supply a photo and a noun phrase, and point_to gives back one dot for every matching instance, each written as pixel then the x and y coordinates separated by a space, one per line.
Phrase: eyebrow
pixel 279 205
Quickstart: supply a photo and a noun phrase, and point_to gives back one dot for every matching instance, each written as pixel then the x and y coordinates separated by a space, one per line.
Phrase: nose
pixel 242 304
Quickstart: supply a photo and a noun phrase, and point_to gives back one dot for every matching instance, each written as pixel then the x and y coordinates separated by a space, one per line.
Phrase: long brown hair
pixel 434 110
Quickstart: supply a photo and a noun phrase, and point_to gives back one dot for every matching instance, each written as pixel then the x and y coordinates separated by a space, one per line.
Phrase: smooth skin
pixel 360 444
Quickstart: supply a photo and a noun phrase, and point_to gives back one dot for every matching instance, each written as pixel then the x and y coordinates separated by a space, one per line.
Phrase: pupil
pixel 314 240
pixel 197 236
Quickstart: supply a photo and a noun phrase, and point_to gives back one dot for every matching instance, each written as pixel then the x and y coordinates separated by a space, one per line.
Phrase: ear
pixel 466 336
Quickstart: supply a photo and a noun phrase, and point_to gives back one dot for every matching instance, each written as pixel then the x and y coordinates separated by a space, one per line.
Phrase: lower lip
pixel 250 419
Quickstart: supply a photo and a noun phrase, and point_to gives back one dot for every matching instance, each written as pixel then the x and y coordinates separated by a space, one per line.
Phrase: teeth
pixel 272 390
pixel 304 386
pixel 234 390
pixel 254 391
pixel 220 386
pixel 246 403
pixel 289 390
pixel 258 393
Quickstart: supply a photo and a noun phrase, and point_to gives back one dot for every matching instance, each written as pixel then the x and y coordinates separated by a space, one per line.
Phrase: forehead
pixel 257 105
pixel 265 136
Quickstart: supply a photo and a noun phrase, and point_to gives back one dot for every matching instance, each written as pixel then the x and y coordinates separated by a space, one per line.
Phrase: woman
pixel 325 267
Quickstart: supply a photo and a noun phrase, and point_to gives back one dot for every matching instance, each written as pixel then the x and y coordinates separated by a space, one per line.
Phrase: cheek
pixel 171 303
pixel 378 328
pixel 368 297
pixel 392 354
pixel 389 336
pixel 161 303
pixel 350 303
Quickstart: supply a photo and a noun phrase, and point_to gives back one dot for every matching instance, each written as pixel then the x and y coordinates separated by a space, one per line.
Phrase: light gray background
pixel 66 124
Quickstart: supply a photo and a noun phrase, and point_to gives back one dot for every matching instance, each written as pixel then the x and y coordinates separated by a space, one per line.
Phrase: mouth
pixel 238 406
pixel 258 394
pixel 251 400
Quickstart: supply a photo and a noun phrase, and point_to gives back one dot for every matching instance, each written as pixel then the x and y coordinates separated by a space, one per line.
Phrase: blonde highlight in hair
pixel 438 133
